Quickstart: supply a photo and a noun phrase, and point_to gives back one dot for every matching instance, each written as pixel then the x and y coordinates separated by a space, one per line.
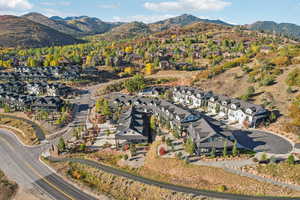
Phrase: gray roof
pixel 131 125
pixel 201 132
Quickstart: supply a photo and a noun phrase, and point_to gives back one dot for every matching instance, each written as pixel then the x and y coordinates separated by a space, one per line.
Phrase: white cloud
pixel 142 18
pixel 60 3
pixel 11 5
pixel 49 12
pixel 188 5
pixel 111 6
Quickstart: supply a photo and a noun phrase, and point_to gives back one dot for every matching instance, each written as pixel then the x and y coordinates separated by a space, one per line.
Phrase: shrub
pixel 222 188
pixel 132 149
pixel 263 157
pixel 169 142
pixel 294 112
pixel 289 90
pixel 291 160
pixel 250 90
pixel 163 139
pixel 213 152
pixel 187 160
pixel 273 160
pixel 190 146
pixel 235 151
pixel 293 78
pixel 273 117
pixel 179 155
pixel 266 81
pixel 251 79
pixel 245 97
pixel 225 149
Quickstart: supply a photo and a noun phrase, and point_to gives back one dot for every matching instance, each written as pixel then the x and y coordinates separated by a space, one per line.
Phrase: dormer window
pixel 249 111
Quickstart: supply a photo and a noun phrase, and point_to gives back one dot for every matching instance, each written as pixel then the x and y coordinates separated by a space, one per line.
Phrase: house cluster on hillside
pixel 133 125
pixel 231 109
pixel 180 115
pixel 23 96
pixel 41 73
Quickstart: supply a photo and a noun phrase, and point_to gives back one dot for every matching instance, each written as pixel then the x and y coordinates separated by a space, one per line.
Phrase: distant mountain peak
pixel 286 29
pixel 23 32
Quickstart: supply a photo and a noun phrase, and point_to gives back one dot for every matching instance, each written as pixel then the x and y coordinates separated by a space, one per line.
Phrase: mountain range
pixel 286 29
pixel 22 32
pixel 37 30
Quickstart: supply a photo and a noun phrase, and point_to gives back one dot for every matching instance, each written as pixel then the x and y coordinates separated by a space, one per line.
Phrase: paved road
pixel 258 141
pixel 261 141
pixel 22 163
pixel 167 185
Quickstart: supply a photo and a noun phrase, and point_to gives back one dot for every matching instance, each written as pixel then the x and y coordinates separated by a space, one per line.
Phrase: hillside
pixel 134 29
pixel 86 25
pixel 22 32
pixel 124 31
pixel 60 26
pixel 182 20
pixel 287 29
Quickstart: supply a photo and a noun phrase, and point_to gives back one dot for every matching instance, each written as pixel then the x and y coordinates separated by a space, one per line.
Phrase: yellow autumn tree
pixel 129 49
pixel 129 70
pixel 89 60
pixel 31 62
pixel 54 63
pixel 149 69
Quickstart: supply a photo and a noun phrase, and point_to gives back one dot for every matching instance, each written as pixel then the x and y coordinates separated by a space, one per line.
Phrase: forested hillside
pixel 240 63
pixel 22 32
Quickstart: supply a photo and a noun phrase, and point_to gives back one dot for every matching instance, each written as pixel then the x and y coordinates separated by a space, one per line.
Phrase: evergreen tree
pixel 235 150
pixel 190 146
pixel 106 109
pixel 213 152
pixel 225 149
pixel 6 108
pixel 61 144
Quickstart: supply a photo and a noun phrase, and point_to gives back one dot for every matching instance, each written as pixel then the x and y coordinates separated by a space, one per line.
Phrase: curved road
pixel 166 185
pixel 22 164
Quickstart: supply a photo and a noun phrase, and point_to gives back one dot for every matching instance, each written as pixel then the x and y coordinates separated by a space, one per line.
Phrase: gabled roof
pixel 202 130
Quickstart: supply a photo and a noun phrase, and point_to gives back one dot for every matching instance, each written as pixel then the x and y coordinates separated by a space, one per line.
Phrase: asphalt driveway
pixel 261 141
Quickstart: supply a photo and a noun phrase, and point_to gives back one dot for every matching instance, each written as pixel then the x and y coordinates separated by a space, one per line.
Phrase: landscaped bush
pixel 179 155
pixel 268 80
pixel 222 188
pixel 291 160
pixel 162 151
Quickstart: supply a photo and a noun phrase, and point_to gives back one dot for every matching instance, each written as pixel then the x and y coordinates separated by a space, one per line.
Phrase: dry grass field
pixel 8 188
pixel 209 178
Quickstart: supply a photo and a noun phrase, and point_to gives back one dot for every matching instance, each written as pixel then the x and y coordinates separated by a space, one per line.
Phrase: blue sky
pixel 233 11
